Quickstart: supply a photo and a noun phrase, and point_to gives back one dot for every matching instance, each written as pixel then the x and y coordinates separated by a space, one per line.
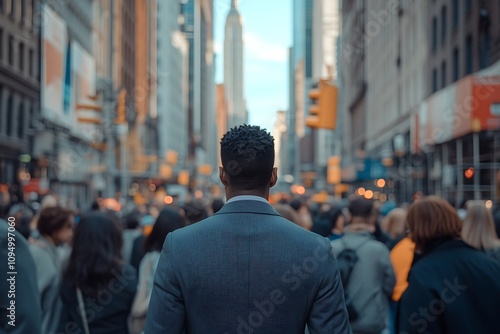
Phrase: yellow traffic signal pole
pixel 323 114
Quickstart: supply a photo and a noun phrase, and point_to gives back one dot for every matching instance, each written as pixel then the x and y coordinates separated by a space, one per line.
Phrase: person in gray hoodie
pixel 372 278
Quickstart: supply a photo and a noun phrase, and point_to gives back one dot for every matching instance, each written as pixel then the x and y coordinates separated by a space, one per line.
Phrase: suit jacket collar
pixel 248 206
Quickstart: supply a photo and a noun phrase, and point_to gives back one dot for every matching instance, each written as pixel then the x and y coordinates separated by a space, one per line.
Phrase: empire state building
pixel 233 68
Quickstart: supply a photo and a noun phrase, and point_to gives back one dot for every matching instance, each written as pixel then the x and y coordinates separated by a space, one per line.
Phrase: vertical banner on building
pixel 67 81
pixel 83 84
pixel 54 68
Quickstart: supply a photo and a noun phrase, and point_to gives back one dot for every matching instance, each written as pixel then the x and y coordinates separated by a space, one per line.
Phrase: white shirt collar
pixel 247 198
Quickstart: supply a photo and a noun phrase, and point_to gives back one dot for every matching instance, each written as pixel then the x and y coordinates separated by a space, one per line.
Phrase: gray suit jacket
pixel 246 270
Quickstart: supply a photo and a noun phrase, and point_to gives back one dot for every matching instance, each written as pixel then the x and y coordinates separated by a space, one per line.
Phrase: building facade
pixel 172 90
pixel 221 103
pixel 233 67
pixel 419 86
pixel 457 127
pixel 353 85
pixel 326 20
pixel 198 21
pixel 280 138
pixel 68 86
pixel 19 95
pixel 301 139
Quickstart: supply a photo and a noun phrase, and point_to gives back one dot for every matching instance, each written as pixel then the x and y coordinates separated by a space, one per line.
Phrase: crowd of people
pixel 102 259
pixel 113 262
pixel 410 269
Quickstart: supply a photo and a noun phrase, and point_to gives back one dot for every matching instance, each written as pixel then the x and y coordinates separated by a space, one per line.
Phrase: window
pixel 468 6
pixel 468 55
pixel 11 50
pixel 1 43
pixel 21 57
pixel 31 69
pixel 456 12
pixel 434 80
pixel 444 23
pixel 10 115
pixel 485 43
pixel 443 74
pixel 31 116
pixel 22 9
pixel 20 121
pixel 456 65
pixel 11 4
pixel 33 14
pixel 434 33
pixel 484 37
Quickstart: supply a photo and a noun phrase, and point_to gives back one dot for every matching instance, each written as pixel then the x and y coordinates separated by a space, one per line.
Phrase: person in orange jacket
pixel 401 258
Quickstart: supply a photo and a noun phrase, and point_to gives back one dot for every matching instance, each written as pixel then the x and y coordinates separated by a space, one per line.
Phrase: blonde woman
pixel 394 224
pixel 479 231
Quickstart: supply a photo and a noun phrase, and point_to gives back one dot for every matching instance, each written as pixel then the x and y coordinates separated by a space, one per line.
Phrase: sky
pixel 267 35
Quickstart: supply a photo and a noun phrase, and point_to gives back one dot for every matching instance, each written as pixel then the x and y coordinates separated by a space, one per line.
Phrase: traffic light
pixel 324 112
pixel 121 108
pixel 334 172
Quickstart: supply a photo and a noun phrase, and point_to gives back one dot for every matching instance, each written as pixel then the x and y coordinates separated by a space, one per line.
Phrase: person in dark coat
pixel 28 313
pixel 453 288
pixel 96 269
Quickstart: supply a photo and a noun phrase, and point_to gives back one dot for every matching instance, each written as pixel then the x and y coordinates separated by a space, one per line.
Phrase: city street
pixel 369 128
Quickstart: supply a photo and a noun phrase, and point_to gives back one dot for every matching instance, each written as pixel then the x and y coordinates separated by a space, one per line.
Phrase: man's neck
pixel 230 194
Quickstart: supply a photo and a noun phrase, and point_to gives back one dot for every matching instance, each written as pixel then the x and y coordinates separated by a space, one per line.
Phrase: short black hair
pixel 247 154
pixel 332 216
pixel 361 207
pixel 132 220
pixel 296 204
pixel 53 219
pixel 195 211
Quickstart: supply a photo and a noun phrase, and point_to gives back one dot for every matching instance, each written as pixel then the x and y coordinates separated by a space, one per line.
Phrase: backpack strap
pixel 356 253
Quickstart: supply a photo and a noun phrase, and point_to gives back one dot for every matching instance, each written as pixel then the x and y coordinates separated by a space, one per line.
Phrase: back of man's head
pixel 360 207
pixel 247 154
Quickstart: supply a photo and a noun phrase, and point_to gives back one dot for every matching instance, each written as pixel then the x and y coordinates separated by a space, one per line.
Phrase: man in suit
pixel 246 269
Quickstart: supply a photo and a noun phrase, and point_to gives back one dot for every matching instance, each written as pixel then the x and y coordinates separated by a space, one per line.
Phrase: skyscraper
pixel 198 21
pixel 172 87
pixel 233 67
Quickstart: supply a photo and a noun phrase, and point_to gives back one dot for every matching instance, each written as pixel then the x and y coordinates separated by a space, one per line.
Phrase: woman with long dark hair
pixel 98 288
pixel 169 220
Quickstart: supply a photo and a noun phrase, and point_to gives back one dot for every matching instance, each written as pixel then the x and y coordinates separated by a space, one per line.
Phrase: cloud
pixel 260 49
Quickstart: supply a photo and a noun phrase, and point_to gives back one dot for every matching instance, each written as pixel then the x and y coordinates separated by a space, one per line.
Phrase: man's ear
pixel 222 176
pixel 274 177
